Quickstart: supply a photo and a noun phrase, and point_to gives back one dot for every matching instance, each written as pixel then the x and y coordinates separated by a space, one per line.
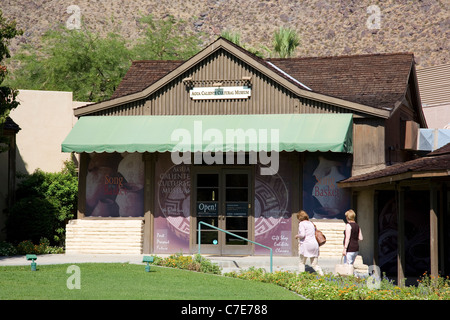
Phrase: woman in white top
pixel 308 246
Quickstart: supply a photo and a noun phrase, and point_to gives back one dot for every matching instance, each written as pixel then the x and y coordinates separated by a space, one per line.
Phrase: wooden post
pixel 434 239
pixel 149 191
pixel 401 237
pixel 375 228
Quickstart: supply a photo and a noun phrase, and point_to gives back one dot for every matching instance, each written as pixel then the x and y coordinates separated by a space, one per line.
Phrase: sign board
pixel 237 209
pixel 205 209
pixel 203 93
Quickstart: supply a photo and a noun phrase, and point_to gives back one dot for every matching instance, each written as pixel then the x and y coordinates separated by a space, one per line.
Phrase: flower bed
pixel 327 287
pixel 332 287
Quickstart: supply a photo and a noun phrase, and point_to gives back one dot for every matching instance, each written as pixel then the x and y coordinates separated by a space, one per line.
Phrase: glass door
pixel 237 205
pixel 223 199
pixel 207 207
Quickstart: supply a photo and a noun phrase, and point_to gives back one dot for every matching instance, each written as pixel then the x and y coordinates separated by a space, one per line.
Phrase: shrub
pixel 198 263
pixel 45 203
pixel 332 287
pixel 28 247
pixel 31 218
pixel 7 249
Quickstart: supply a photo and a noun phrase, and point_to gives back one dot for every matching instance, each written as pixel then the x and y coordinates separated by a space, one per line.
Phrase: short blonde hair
pixel 350 215
pixel 302 215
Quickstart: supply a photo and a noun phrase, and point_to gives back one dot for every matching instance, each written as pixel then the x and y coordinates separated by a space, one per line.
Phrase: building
pixel 434 84
pixel 411 222
pixel 256 140
pixel 45 118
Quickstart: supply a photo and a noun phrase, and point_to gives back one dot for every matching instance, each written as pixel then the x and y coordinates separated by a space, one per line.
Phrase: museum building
pixel 239 143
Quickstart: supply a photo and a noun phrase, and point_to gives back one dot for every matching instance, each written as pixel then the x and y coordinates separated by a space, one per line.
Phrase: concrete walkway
pixel 227 263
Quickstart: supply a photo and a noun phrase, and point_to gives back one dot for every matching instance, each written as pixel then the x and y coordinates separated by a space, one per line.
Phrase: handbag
pixel 320 237
pixel 343 269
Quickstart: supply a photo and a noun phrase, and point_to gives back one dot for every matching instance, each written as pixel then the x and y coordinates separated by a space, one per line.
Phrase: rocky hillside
pixel 326 27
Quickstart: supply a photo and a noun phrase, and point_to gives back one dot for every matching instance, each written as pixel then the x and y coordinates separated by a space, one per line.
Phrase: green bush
pixel 44 204
pixel 7 249
pixel 333 287
pixel 28 247
pixel 198 263
pixel 31 218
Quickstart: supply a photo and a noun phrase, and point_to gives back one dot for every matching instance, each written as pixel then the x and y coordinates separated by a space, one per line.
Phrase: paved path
pixel 228 263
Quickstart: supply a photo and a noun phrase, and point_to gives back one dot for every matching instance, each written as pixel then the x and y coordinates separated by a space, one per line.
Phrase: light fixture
pixel 32 257
pixel 148 259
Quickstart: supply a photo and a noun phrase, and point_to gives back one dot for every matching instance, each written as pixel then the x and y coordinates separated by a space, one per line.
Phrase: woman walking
pixel 308 246
pixel 352 234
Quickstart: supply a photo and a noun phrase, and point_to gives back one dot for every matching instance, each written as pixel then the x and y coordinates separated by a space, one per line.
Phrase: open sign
pixel 206 209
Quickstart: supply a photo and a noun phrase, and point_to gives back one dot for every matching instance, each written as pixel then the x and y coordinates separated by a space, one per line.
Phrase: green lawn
pixel 129 281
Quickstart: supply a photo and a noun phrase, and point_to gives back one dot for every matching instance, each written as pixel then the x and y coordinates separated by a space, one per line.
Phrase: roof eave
pixel 394 178
pixel 249 59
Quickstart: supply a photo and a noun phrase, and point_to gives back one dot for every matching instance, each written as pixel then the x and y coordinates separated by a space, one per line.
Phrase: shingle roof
pixel 438 160
pixel 142 74
pixel 376 80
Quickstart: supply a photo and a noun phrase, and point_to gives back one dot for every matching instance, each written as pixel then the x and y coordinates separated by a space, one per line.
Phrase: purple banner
pixel 172 206
pixel 322 199
pixel 273 210
pixel 115 185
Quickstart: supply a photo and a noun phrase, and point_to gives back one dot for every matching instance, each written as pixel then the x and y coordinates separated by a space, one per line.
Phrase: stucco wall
pixel 45 119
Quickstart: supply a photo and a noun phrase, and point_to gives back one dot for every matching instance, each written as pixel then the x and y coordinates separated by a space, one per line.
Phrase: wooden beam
pixel 434 237
pixel 401 237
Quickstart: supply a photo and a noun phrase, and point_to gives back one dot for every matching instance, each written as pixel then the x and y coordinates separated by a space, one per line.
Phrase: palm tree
pixel 285 41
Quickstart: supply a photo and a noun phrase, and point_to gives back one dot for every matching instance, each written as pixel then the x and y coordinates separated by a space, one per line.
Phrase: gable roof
pixel 376 80
pixel 143 73
pixel 434 164
pixel 371 84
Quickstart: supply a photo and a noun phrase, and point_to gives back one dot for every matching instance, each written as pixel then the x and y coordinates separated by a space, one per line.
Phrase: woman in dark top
pixel 353 234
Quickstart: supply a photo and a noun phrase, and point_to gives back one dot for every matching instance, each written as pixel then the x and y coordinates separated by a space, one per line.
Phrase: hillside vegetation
pixel 325 27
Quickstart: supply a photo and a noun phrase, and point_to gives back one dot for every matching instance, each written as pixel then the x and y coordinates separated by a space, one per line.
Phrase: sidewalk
pixel 227 263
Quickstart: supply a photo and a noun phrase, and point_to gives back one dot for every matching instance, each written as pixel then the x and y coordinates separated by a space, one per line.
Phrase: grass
pixel 111 281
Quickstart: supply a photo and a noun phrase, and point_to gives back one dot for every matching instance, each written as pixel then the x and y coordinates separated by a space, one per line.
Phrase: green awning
pixel 273 132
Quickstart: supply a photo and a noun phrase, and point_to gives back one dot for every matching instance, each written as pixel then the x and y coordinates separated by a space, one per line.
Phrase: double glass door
pixel 223 199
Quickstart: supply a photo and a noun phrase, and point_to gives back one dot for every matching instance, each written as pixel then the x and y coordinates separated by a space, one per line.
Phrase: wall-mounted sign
pixel 236 209
pixel 202 93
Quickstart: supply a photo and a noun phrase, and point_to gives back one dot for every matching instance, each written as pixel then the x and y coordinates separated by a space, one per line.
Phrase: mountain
pixel 326 27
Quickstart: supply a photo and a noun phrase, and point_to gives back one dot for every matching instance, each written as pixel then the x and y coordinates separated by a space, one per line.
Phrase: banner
pixel 322 198
pixel 172 206
pixel 115 185
pixel 273 210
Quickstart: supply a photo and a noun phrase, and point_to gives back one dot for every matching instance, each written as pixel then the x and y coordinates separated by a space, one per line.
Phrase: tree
pixel 285 41
pixel 74 60
pixel 92 66
pixel 165 39
pixel 8 95
pixel 235 37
